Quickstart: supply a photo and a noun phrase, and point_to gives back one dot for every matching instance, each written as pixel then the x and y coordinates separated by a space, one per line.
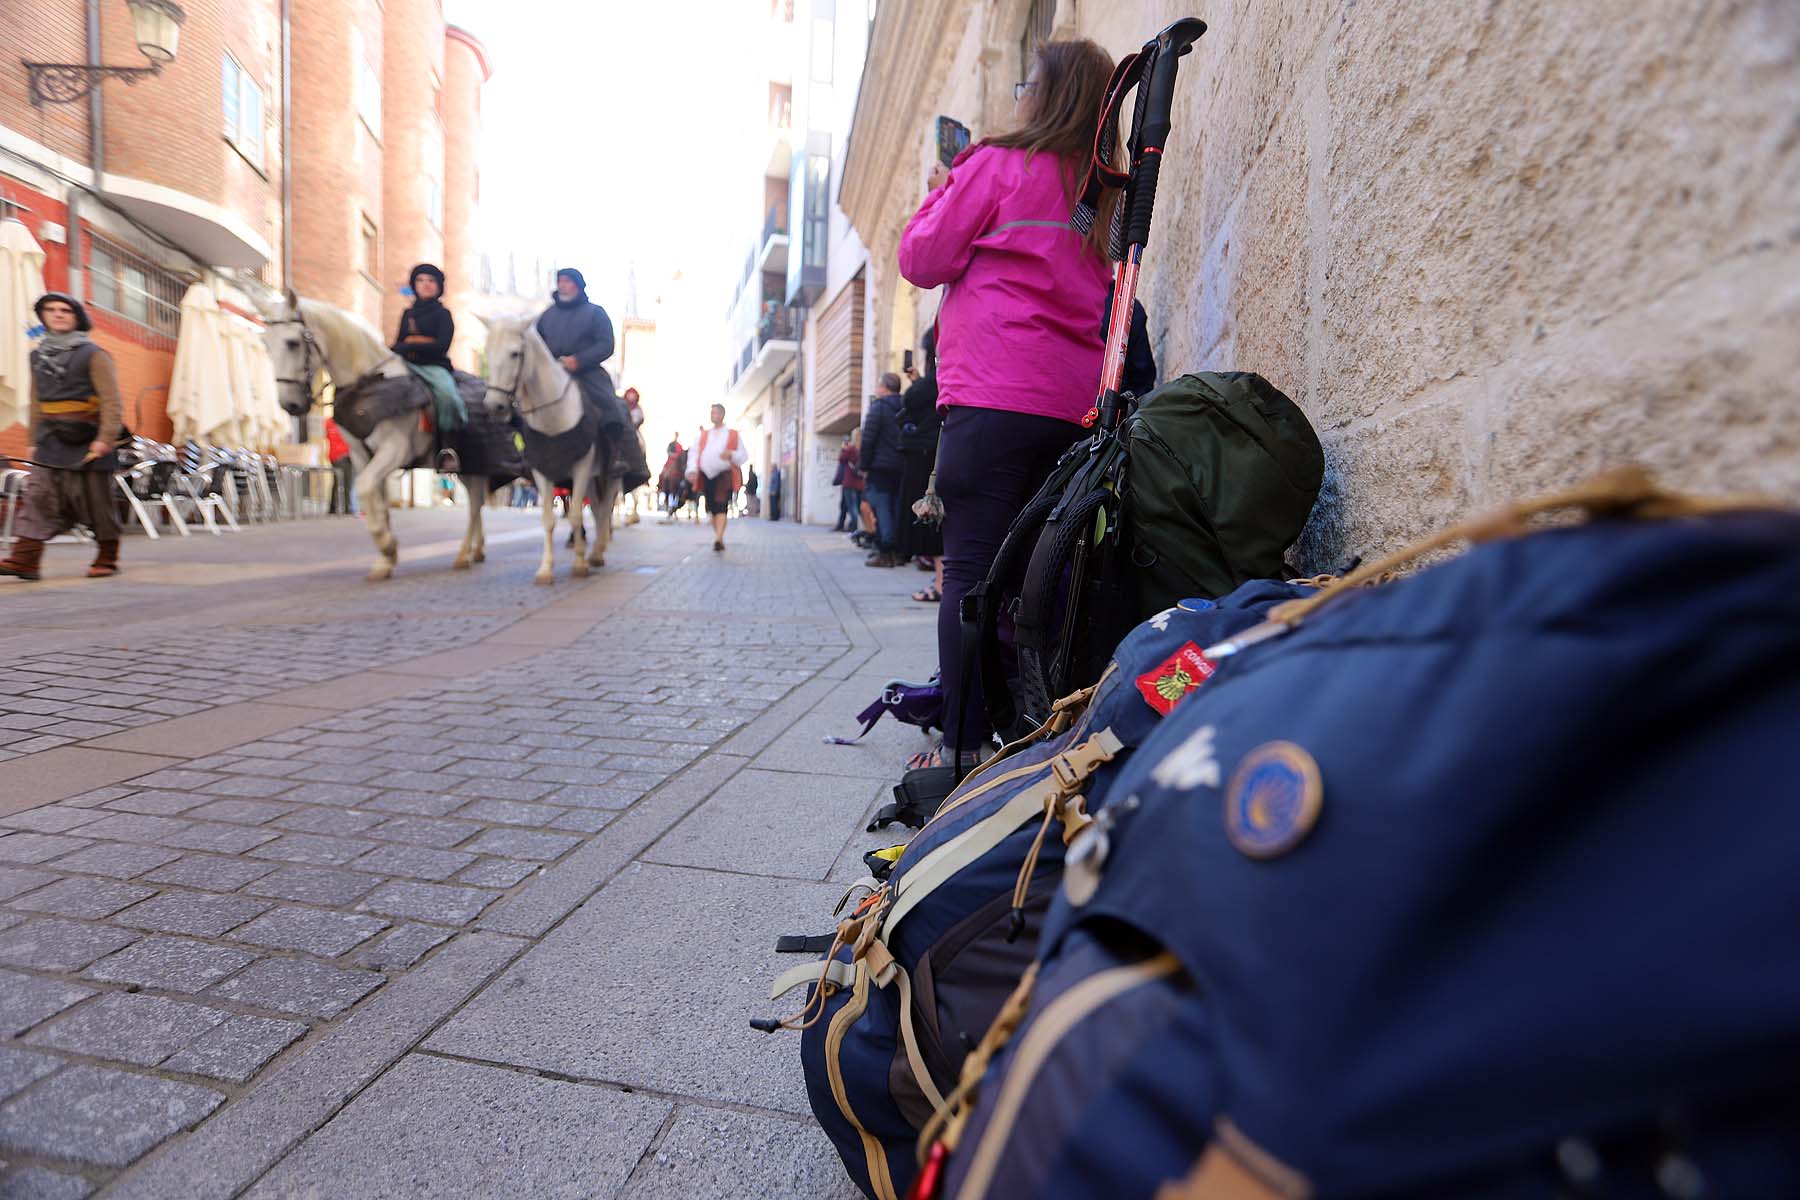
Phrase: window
pixel 242 104
pixel 1038 23
pixel 368 247
pixel 368 86
pixel 124 282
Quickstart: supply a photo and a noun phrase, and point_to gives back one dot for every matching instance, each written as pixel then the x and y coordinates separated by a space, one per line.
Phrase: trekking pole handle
pixel 1166 49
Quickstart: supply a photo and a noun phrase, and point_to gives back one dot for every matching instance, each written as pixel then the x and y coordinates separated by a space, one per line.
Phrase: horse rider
pixel 580 335
pixel 76 423
pixel 426 330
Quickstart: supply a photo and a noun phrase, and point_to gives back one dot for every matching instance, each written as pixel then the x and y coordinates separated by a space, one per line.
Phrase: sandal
pixel 928 594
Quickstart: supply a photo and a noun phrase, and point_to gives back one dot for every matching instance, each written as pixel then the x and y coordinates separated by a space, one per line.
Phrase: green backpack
pixel 1223 470
pixel 1203 488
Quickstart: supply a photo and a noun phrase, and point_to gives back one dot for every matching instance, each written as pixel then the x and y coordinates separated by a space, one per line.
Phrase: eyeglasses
pixel 1019 89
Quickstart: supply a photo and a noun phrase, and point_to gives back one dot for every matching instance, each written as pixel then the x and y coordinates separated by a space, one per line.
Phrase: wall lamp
pixel 157 24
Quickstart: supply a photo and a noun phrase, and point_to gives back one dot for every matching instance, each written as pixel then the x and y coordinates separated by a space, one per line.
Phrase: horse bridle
pixel 512 393
pixel 312 358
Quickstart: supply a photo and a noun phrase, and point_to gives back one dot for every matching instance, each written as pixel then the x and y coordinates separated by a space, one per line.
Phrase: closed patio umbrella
pixel 21 283
pixel 259 420
pixel 200 392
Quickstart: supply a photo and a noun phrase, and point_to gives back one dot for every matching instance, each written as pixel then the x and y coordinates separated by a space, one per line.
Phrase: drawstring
pixel 807 1017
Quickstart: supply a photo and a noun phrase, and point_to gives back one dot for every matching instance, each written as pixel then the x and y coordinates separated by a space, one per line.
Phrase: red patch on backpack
pixel 1179 674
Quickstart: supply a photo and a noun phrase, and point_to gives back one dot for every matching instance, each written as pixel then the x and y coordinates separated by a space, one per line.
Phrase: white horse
pixel 304 335
pixel 524 375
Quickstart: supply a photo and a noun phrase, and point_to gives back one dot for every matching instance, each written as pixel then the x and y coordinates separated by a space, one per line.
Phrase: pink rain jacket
pixel 1020 324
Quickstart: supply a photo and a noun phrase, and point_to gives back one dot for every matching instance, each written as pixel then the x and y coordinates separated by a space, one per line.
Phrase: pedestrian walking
pixel 850 479
pixel 717 473
pixel 343 470
pixel 634 409
pixel 882 466
pixel 75 425
pixel 426 331
pixel 1019 353
pixel 752 505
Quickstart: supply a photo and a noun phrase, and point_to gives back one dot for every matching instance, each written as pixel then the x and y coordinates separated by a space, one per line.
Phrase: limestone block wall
pixel 1489 248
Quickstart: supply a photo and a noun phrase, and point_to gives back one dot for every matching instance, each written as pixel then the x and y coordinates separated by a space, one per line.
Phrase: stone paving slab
pixel 543 1138
pixel 306 879
pixel 769 823
pixel 716 1152
pixel 623 993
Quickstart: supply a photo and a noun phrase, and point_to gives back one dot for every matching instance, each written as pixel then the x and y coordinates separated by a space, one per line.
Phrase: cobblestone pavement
pixel 450 885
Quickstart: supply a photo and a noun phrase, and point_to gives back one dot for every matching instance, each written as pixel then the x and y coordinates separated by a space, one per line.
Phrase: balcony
pixel 763 357
pixel 772 249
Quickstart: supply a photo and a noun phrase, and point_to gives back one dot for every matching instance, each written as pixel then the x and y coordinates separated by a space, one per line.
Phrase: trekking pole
pixel 1152 71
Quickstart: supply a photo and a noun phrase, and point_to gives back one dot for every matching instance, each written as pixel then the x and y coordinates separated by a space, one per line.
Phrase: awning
pixel 21 283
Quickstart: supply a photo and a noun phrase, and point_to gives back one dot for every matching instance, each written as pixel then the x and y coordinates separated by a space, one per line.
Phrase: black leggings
pixel 989 466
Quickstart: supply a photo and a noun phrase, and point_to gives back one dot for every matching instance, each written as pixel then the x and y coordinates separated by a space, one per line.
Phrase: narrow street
pixel 450 885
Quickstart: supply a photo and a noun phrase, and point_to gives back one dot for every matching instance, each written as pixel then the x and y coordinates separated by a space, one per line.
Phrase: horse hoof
pixel 544 577
pixel 461 564
pixel 480 556
pixel 599 560
pixel 380 572
pixel 580 568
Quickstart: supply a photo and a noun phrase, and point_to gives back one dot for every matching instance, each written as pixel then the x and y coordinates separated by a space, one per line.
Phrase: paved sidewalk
pixel 450 885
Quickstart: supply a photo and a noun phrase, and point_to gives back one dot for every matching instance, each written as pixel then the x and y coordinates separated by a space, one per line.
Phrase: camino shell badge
pixel 1273 800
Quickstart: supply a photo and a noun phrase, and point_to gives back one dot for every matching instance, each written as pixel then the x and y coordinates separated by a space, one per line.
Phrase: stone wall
pixel 1489 248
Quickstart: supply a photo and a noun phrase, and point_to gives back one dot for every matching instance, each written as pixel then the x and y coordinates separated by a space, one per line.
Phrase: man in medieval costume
pixel 580 334
pixel 75 427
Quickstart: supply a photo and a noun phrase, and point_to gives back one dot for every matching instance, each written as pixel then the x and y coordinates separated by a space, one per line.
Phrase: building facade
pixel 799 362
pixel 136 192
pixel 1487 255
pixel 198 174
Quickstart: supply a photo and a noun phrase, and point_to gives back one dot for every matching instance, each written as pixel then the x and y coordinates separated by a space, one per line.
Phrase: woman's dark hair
pixel 1071 89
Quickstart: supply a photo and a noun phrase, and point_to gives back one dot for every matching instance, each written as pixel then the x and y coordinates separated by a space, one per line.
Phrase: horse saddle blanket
pixel 554 455
pixel 359 408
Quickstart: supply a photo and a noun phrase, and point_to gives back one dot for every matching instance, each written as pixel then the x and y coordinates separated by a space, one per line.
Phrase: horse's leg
pixel 487 494
pixel 578 489
pixel 546 572
pixel 608 492
pixel 389 454
pixel 476 486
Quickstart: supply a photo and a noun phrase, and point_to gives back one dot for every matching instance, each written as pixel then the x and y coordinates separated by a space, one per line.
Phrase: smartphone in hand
pixel 952 139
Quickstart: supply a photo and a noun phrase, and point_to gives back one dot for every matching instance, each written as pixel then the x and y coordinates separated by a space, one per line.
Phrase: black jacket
pixel 433 320
pixel 881 438
pixel 919 418
pixel 581 329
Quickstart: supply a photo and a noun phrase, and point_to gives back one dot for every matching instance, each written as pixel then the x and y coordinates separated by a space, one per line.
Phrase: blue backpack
pixel 920 969
pixel 1477 884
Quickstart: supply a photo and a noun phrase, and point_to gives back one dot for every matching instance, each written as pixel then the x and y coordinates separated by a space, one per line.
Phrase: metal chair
pixel 12 494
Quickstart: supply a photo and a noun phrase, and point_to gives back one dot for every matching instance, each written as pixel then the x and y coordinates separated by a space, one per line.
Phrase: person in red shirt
pixel 337 450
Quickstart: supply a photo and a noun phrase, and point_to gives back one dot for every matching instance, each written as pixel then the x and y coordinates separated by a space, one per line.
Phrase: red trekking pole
pixel 1151 71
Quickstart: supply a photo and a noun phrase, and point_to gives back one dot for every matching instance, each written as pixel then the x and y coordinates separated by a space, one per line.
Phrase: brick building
pixel 196 174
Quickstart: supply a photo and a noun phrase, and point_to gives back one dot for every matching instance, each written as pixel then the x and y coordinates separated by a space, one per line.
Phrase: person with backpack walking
pixel 718 462
pixel 882 466
pixel 1019 357
pixel 76 424
pixel 343 471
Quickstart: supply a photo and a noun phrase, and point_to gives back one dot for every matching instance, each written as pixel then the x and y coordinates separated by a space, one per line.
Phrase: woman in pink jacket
pixel 1019 327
